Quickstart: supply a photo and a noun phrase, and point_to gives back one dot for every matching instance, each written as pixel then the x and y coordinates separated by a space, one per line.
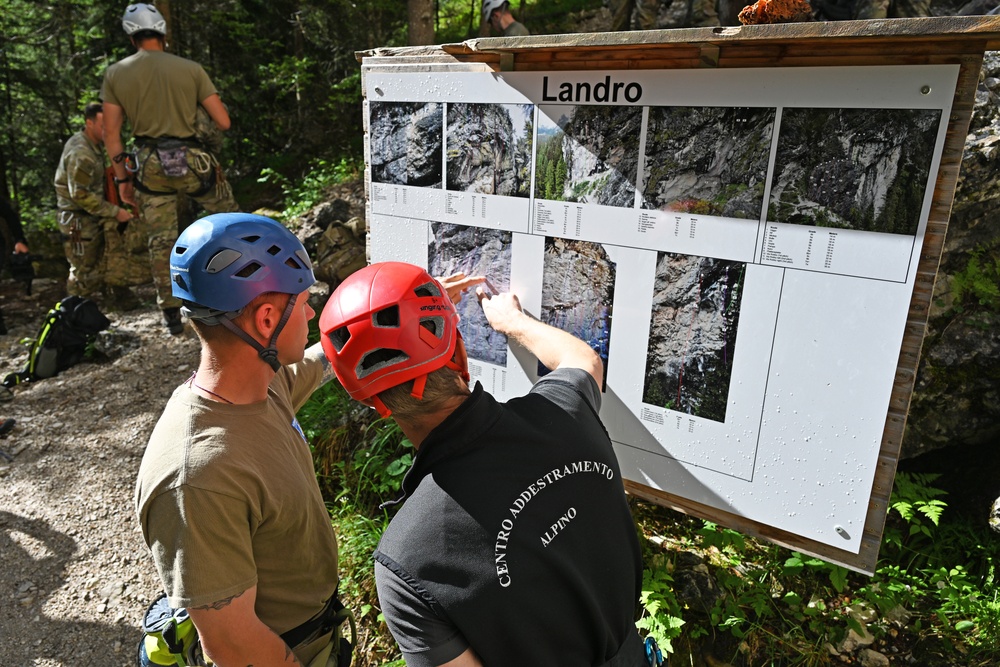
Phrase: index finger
pixel 468 281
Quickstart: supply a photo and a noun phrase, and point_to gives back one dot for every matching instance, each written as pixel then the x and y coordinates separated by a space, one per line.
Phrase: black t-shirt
pixel 515 518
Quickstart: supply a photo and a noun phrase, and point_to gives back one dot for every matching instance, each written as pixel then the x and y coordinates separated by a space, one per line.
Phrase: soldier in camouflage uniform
pixel 85 216
pixel 700 13
pixel 891 9
pixel 159 94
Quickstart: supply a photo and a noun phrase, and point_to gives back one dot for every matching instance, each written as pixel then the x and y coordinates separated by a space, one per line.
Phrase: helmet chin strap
pixel 268 354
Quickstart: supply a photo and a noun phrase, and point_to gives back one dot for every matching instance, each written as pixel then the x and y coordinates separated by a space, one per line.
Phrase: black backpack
pixel 62 341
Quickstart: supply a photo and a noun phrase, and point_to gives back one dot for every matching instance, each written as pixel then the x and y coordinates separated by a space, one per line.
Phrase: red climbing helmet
pixel 386 324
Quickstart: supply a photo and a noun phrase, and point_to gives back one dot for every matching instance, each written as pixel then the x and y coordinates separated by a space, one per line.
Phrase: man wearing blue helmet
pixel 226 493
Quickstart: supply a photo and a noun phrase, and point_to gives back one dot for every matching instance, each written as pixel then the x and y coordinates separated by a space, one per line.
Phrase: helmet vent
pixel 251 238
pixel 221 260
pixel 248 270
pixel 273 250
pixel 304 258
pixel 180 250
pixel 292 263
pixel 379 359
pixel 433 324
pixel 387 317
pixel 339 338
pixel 180 282
pixel 427 289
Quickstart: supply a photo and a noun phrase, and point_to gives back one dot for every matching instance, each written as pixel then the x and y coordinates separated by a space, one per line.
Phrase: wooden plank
pixel 693 58
pixel 920 301
pixel 946 28
pixel 888 41
pixel 863 562
pixel 772 52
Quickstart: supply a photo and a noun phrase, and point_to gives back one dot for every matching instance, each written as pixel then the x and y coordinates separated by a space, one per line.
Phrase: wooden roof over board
pixel 889 41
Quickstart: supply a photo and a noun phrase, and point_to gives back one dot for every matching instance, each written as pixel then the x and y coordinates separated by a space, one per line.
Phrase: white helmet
pixel 489 6
pixel 140 16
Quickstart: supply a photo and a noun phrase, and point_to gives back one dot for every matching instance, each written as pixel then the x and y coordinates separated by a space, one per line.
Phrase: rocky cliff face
pixel 692 332
pixel 578 288
pixel 489 149
pixel 858 168
pixel 707 160
pixel 406 143
pixel 474 252
pixel 601 152
pixel 956 400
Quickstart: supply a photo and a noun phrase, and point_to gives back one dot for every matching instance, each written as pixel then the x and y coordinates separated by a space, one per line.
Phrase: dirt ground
pixel 75 575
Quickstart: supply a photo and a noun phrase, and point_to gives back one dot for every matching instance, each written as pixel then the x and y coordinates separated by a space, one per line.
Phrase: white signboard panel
pixel 739 246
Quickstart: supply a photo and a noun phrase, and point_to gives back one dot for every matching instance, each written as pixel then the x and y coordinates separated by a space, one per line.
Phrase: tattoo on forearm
pixel 219 604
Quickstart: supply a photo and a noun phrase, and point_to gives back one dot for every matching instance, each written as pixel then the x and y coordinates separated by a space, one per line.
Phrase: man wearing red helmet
pixel 514 545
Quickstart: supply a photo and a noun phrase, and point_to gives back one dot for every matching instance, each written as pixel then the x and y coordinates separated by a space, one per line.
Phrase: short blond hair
pixel 215 333
pixel 442 385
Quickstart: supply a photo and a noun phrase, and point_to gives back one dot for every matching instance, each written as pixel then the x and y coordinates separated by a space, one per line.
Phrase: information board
pixel 738 245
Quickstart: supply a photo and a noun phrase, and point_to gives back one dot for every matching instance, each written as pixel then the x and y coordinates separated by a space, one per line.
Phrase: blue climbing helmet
pixel 222 262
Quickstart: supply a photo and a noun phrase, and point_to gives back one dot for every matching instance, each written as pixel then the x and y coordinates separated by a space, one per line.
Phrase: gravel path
pixel 75 575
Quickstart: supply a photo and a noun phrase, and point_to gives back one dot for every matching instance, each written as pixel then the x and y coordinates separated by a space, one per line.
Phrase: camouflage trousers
pixel 700 13
pixel 126 256
pixel 83 242
pixel 621 14
pixel 892 9
pixel 162 174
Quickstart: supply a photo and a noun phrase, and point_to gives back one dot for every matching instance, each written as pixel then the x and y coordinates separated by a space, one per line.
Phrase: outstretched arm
pixel 553 347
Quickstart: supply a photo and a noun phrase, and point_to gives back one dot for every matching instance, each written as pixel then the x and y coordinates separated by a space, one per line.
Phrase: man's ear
pixel 265 318
pixel 461 358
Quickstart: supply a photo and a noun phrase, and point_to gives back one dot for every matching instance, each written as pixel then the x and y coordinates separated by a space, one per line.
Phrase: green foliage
pixel 661 613
pixel 979 282
pixel 305 192
pixel 360 462
pixel 916 503
pixel 783 608
pixel 551 167
pixel 52 56
pixel 286 70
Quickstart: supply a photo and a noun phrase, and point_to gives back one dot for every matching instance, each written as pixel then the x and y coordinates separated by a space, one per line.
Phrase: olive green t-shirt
pixel 158 91
pixel 227 499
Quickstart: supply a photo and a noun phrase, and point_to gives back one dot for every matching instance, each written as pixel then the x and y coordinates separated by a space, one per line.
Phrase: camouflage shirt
pixel 80 179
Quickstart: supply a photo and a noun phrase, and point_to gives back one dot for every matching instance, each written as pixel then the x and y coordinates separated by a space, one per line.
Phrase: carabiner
pixel 653 654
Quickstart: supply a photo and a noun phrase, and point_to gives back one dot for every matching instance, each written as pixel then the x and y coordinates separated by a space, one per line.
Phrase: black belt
pixel 165 140
pixel 324 621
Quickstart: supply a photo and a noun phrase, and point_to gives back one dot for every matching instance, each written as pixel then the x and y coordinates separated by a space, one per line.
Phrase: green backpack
pixel 62 340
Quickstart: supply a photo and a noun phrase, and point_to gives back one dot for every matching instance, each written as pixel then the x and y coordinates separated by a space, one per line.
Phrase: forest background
pixel 286 69
pixel 288 72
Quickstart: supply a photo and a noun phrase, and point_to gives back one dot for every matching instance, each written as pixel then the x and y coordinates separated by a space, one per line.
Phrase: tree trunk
pixel 421 21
